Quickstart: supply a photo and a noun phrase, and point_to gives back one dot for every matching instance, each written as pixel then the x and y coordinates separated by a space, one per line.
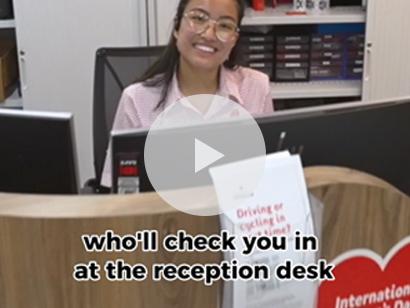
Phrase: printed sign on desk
pixel 364 279
pixel 277 206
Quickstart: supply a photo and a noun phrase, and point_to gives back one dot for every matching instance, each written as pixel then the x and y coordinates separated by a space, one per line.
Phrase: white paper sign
pixel 277 206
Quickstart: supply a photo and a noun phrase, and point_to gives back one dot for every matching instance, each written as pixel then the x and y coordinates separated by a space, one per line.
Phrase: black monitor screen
pixel 37 153
pixel 370 137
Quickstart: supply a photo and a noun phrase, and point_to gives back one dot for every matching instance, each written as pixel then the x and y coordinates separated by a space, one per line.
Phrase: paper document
pixel 277 206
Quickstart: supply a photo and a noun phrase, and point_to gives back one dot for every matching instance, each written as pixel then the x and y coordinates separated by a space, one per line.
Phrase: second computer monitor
pixel 370 137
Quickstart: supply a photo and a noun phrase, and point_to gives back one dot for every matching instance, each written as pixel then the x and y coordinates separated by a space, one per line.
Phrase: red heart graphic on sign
pixel 364 279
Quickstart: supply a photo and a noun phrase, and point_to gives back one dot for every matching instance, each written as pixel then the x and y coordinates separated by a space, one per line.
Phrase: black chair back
pixel 115 69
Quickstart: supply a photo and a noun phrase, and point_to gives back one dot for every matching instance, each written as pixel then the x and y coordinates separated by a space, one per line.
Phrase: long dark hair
pixel 160 74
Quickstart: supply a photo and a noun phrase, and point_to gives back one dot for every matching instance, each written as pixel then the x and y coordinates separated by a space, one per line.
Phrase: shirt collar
pixel 174 94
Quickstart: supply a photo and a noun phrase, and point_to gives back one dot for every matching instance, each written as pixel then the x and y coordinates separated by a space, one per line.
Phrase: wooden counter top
pixel 40 240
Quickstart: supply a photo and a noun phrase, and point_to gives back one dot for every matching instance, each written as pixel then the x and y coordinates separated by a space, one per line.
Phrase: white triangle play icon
pixel 205 155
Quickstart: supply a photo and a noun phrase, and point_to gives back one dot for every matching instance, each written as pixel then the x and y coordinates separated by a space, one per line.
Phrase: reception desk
pixel 40 240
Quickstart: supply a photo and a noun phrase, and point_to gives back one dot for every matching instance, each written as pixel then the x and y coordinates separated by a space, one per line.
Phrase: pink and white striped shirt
pixel 136 109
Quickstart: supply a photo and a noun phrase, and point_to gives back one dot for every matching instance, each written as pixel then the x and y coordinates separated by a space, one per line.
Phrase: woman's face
pixel 208 49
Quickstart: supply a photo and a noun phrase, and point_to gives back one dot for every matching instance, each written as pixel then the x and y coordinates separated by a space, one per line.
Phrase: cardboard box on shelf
pixel 8 68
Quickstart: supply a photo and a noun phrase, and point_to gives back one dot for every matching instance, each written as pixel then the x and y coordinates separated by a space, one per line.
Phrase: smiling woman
pixel 203 47
pixel 202 57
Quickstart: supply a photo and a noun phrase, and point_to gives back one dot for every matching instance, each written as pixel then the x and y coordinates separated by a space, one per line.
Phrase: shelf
pixel 7 23
pixel 313 89
pixel 278 16
pixel 14 101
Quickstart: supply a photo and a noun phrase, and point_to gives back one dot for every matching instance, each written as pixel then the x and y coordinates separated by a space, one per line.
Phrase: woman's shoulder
pixel 251 73
pixel 142 90
pixel 250 87
pixel 247 77
pixel 138 102
pixel 248 82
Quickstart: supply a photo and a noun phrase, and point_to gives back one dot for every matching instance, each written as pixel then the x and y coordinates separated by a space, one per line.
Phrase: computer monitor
pixel 371 137
pixel 37 153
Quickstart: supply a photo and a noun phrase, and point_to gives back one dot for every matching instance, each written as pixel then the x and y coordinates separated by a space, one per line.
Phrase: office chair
pixel 115 69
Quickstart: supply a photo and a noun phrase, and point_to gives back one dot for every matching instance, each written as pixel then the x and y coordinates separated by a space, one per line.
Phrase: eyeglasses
pixel 199 21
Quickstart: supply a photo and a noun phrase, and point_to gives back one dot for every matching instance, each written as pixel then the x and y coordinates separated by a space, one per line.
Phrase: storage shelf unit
pixel 311 89
pixel 278 16
pixel 314 89
pixel 7 23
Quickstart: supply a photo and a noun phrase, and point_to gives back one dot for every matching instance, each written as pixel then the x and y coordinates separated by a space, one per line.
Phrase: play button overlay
pixel 205 155
pixel 192 135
